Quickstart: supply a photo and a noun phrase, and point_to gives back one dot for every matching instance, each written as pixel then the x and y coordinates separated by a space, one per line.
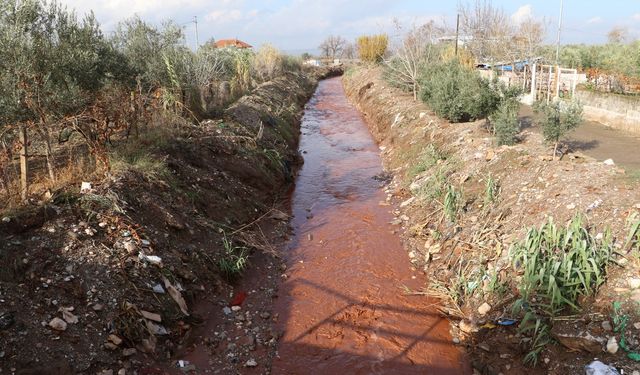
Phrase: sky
pixel 296 26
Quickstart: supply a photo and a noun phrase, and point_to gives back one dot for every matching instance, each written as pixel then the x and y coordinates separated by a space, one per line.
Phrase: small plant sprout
pixel 452 203
pixel 491 190
pixel 234 259
pixel 633 235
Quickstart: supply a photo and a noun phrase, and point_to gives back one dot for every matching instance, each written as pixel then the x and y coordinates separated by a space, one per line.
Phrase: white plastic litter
pixel 599 368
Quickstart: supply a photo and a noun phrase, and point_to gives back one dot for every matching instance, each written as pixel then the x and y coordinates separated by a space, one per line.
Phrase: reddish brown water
pixel 342 307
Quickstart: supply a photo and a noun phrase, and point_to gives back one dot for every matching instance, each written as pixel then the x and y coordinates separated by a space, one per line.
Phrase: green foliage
pixel 558 118
pixel 51 64
pixel 611 57
pixel 234 259
pixel 537 328
pixel 452 200
pixel 559 265
pixel 633 234
pixel 426 160
pixel 149 49
pixel 457 93
pixel 491 190
pixel 505 122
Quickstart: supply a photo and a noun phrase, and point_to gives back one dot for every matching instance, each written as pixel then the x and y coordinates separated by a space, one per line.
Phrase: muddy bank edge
pixel 427 156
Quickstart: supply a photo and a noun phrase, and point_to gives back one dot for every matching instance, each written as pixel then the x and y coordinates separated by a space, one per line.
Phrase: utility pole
pixel 457 32
pixel 195 20
pixel 559 31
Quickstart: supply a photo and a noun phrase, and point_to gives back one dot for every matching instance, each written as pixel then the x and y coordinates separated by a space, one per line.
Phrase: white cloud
pixel 289 25
pixel 594 20
pixel 224 15
pixel 636 17
pixel 523 13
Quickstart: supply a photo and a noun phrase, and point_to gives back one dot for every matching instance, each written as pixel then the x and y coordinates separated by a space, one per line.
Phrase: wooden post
pixel 24 164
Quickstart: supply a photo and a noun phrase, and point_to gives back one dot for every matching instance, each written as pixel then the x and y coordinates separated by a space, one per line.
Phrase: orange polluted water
pixel 342 308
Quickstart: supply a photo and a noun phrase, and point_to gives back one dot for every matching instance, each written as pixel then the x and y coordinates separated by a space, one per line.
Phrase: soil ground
pixel 123 278
pixel 597 140
pixel 533 188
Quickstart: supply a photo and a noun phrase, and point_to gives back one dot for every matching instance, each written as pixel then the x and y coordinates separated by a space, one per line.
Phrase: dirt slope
pixel 532 188
pixel 115 279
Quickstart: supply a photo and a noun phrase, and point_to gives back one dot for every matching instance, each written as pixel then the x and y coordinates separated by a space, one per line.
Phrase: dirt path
pixel 342 307
pixel 599 141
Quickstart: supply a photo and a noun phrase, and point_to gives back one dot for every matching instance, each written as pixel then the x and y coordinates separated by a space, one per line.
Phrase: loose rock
pixel 58 324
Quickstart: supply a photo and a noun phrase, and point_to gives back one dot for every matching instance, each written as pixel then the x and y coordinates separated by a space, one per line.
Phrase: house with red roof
pixel 237 43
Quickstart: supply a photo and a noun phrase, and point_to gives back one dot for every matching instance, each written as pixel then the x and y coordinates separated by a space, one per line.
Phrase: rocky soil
pixel 532 187
pixel 124 276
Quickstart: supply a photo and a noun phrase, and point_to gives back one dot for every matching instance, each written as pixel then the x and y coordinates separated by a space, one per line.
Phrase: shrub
pixel 457 93
pixel 372 48
pixel 560 264
pixel 504 122
pixel 558 118
pixel 267 63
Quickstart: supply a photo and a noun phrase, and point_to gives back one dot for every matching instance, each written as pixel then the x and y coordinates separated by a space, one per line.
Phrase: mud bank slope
pixel 119 278
pixel 463 244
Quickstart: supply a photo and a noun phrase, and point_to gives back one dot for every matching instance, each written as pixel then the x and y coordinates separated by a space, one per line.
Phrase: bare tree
pixel 529 38
pixel 413 53
pixel 332 46
pixel 488 28
pixel 349 51
pixel 618 35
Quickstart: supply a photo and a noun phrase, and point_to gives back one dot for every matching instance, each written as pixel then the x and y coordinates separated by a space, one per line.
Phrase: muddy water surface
pixel 342 307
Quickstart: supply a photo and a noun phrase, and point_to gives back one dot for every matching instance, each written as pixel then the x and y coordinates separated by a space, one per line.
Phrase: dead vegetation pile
pixel 470 210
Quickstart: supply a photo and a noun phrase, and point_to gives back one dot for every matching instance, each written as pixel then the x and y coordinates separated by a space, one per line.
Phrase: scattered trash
pixel 85 188
pixel 599 368
pixel 226 310
pixel 186 366
pixel 506 322
pixel 238 299
pixel 609 162
pixel 594 205
pixel 175 294
pixel 158 289
pixel 251 363
pixel 6 219
pixel 152 259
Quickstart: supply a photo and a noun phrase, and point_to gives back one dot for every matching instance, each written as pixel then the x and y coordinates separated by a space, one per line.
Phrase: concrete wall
pixel 616 111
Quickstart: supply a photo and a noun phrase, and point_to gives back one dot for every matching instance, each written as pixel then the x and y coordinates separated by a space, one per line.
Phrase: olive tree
pixel 51 65
pixel 558 118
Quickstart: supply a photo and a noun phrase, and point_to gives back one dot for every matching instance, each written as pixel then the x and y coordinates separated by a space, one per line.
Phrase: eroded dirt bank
pixel 466 254
pixel 122 278
pixel 342 306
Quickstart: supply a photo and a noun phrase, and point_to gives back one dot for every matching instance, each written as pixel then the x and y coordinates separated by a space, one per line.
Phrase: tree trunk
pixel 49 156
pixel 24 165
